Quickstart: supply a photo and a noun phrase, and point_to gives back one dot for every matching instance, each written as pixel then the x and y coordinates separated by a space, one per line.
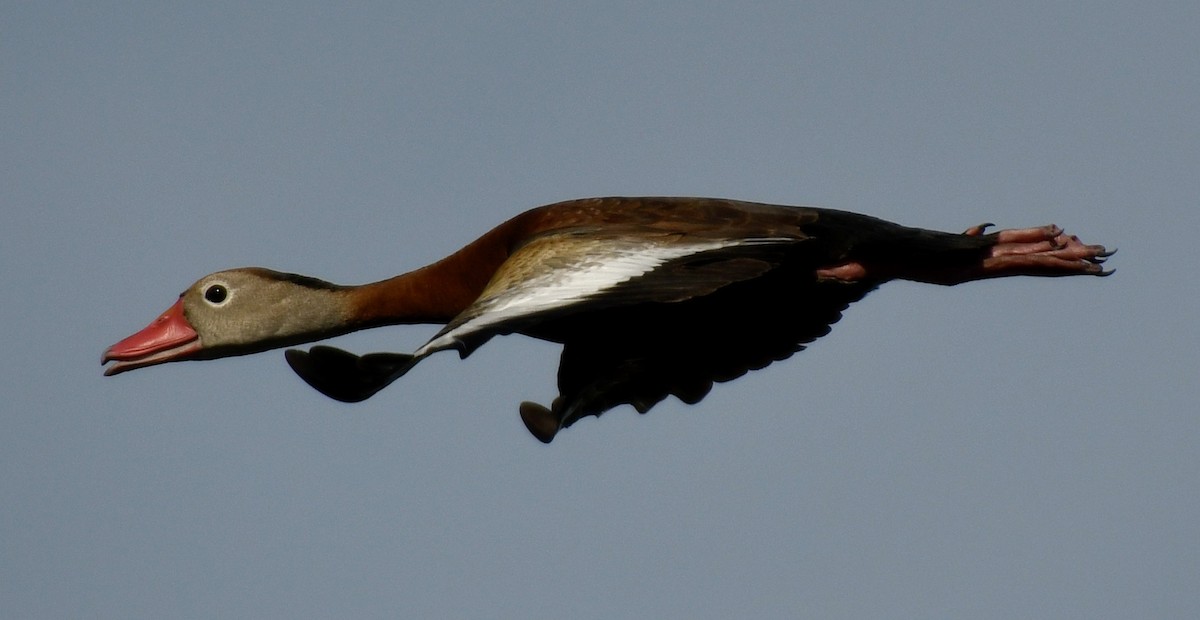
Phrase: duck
pixel 649 297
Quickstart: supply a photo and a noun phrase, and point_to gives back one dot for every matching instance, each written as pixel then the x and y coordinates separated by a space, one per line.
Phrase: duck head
pixel 235 312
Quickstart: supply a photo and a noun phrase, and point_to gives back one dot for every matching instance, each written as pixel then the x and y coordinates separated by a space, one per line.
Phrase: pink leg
pixel 1041 251
pixel 1038 251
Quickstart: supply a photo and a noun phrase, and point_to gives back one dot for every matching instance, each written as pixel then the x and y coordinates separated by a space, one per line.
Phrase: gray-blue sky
pixel 1012 448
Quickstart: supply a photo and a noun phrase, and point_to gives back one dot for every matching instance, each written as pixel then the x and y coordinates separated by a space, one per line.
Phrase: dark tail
pixel 887 251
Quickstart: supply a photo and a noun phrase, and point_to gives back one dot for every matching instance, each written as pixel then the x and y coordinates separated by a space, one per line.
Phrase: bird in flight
pixel 649 297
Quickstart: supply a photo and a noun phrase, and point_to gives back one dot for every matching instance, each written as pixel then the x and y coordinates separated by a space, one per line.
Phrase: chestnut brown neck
pixel 437 292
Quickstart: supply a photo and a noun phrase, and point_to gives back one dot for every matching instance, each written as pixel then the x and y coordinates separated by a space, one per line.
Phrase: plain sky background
pixel 1017 448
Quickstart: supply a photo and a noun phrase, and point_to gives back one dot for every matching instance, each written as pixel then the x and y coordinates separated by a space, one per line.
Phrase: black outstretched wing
pixel 641 354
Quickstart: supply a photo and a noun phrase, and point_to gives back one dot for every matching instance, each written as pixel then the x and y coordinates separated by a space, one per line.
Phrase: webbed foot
pixel 541 422
pixel 344 376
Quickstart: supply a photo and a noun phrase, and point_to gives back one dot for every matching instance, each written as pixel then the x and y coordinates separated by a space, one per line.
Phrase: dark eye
pixel 216 293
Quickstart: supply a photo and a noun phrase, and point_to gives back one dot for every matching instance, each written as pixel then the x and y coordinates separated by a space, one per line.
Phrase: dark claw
pixel 1101 256
pixel 979 229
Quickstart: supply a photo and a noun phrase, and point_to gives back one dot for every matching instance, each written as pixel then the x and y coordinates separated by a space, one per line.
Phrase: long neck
pixel 437 292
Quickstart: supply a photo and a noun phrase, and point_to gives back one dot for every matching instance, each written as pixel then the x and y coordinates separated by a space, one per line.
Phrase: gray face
pixel 248 310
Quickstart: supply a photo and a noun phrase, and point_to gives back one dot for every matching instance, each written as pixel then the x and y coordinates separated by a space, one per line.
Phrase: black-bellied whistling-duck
pixel 649 297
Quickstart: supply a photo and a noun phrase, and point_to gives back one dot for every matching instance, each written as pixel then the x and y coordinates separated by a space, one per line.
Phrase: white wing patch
pixel 559 270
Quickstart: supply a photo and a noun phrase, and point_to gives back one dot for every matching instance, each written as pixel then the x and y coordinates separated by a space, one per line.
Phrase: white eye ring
pixel 217 293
